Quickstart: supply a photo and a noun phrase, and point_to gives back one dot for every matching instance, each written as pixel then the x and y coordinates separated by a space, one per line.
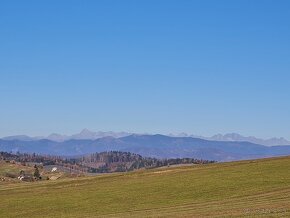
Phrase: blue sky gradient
pixel 201 67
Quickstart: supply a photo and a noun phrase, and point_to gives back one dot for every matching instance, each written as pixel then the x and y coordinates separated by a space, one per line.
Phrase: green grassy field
pixel 259 188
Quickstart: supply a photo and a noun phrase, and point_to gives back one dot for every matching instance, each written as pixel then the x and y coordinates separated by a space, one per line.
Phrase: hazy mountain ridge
pixel 240 138
pixel 158 146
pixel 86 134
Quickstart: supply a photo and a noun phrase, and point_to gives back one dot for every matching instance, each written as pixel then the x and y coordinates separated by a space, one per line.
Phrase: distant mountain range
pixel 235 137
pixel 238 137
pixel 158 146
pixel 86 134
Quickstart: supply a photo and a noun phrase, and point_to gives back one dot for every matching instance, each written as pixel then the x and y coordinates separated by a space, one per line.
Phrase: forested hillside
pixel 104 162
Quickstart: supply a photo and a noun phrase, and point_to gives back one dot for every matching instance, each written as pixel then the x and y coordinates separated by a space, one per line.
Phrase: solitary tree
pixel 21 173
pixel 36 172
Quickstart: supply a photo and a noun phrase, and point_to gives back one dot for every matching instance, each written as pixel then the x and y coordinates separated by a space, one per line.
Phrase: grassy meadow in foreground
pixel 259 188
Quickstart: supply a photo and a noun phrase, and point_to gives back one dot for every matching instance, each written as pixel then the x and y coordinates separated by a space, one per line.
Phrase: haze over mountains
pixel 231 137
pixel 86 134
pixel 237 137
pixel 224 148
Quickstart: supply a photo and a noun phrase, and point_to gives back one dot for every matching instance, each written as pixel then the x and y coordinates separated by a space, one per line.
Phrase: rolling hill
pixel 257 188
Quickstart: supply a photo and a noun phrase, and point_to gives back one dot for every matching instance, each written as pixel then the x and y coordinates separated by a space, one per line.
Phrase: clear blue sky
pixel 201 67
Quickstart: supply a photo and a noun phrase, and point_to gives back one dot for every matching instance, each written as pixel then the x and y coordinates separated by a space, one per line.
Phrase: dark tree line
pixel 116 161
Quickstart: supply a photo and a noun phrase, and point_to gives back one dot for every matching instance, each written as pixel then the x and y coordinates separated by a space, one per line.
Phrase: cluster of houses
pixel 30 178
pixel 23 177
pixel 26 177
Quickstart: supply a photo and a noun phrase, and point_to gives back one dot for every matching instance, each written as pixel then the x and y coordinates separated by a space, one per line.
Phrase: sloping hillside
pixel 259 188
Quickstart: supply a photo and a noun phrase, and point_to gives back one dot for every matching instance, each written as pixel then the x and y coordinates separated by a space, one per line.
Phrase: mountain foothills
pixel 154 146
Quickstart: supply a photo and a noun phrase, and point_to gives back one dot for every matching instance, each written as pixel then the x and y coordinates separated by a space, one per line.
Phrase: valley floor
pixel 259 188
